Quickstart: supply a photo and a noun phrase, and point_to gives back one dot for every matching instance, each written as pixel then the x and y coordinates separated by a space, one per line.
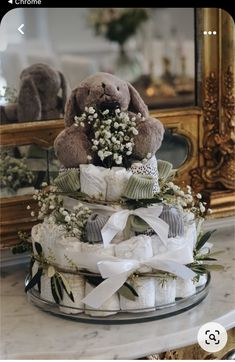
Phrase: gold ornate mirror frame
pixel 215 174
pixel 209 128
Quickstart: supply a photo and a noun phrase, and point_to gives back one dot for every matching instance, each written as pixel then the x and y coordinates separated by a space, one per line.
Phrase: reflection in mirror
pixel 151 47
pixel 38 96
pixel 174 148
pixel 25 168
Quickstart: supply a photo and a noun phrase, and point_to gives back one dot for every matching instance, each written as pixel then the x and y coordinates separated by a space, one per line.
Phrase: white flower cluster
pixel 185 199
pixel 48 201
pixel 51 205
pixel 74 221
pixel 113 135
pixel 14 173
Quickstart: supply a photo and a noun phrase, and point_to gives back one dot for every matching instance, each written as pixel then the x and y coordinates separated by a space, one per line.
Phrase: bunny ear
pixel 137 104
pixel 71 109
pixel 65 89
pixel 29 102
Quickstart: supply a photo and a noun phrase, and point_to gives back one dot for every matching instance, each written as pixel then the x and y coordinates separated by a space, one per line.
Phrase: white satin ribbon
pixel 117 272
pixel 118 220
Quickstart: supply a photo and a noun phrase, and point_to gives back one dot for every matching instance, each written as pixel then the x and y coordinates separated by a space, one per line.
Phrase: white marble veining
pixel 29 333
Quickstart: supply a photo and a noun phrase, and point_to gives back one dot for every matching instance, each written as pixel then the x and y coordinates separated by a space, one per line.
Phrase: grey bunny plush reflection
pixel 38 97
pixel 104 90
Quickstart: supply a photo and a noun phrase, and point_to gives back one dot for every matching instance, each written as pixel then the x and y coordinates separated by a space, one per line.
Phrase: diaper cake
pixel 116 234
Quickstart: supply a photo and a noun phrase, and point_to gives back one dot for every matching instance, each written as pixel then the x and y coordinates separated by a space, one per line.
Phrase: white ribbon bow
pixel 117 272
pixel 118 220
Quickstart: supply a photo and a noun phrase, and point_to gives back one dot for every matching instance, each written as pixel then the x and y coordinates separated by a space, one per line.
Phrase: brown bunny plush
pixel 38 97
pixel 104 90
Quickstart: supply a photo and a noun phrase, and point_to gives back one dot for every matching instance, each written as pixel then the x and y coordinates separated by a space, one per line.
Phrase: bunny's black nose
pixel 103 85
pixel 111 106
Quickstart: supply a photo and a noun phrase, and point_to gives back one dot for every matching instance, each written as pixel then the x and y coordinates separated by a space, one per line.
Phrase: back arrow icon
pixel 20 29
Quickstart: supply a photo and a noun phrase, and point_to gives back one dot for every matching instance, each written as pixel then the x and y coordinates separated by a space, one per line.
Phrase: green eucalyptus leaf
pixel 94 280
pixel 34 280
pixel 127 291
pixel 214 267
pixel 199 271
pixel 50 271
pixel 32 261
pixel 54 291
pixel 71 296
pixel 64 281
pixel 39 285
pixel 203 239
pixel 65 285
pixel 38 248
pixel 59 287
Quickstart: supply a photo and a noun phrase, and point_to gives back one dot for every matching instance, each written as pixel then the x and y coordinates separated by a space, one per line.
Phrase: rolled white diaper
pixel 157 245
pixel 46 287
pixel 92 179
pixel 111 306
pixel 184 288
pixel 77 285
pixel 66 251
pixel 47 234
pixel 36 234
pixel 96 250
pixel 165 292
pixel 172 244
pixel 116 179
pixel 145 288
pixel 138 247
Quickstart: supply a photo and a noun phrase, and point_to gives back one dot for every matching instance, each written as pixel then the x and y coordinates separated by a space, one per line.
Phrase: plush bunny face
pixel 38 95
pixel 103 89
pixel 100 88
pixel 47 79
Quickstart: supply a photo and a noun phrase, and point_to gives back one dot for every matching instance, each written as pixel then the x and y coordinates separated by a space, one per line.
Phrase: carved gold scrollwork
pixel 226 139
pixel 219 135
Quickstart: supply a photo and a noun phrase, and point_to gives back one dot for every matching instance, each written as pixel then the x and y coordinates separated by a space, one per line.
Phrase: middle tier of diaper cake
pixel 110 240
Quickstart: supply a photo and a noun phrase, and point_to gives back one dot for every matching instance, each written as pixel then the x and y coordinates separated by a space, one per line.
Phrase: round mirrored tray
pixel 122 317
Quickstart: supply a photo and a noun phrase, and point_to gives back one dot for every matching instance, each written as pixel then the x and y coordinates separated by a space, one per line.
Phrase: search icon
pixel 212 337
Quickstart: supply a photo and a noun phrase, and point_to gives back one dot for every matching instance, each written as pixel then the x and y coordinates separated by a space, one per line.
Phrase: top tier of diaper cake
pixel 116 233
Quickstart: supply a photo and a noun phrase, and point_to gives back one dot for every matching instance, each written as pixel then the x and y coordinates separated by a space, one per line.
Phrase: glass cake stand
pixel 123 317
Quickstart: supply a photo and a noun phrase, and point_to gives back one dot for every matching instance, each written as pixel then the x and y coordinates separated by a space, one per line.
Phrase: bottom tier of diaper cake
pixel 137 273
pixel 114 310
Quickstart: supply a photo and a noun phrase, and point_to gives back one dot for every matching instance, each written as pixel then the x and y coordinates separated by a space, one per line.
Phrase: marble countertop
pixel 29 333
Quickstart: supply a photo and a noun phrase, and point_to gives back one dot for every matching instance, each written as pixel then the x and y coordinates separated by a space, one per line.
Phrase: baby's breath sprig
pixel 74 221
pixel 185 199
pixel 50 204
pixel 113 135
pixel 48 201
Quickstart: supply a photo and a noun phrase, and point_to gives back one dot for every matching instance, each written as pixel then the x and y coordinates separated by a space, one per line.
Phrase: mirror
pixel 23 169
pixel 174 149
pixel 152 48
